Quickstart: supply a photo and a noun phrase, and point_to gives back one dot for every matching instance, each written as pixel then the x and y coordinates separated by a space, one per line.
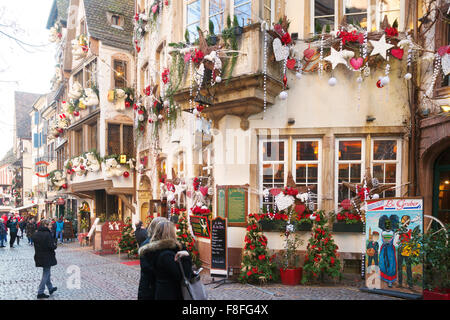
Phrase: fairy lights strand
pixel 437 66
pixel 264 26
pixel 321 56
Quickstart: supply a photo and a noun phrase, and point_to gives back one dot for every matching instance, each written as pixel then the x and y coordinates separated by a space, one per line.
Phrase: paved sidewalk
pixel 106 278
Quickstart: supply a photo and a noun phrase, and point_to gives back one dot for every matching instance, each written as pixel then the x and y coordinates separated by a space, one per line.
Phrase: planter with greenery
pixel 289 260
pixel 435 254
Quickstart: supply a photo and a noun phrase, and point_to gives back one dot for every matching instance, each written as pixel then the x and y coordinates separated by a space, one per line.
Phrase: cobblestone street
pixel 106 278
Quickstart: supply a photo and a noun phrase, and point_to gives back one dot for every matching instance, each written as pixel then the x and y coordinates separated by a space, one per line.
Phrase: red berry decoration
pixel 126 174
pixel 64 186
pixel 76 113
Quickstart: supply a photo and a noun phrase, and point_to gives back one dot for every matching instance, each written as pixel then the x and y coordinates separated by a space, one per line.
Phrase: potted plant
pixel 435 253
pixel 212 37
pixel 237 29
pixel 290 270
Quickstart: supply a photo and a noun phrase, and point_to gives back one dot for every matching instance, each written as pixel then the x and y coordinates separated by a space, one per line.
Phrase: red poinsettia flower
pixel 165 76
pixel 198 56
pixel 286 39
pixel 249 273
pixel 391 32
pixel 261 257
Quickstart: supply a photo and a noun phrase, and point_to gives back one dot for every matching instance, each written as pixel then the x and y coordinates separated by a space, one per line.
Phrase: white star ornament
pixel 336 57
pixel 380 47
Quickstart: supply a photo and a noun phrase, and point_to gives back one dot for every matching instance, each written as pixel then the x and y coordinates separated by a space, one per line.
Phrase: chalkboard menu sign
pixel 200 226
pixel 219 247
pixel 232 203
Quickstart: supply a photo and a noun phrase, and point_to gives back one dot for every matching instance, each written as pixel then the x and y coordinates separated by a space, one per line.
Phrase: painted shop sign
pixel 111 233
pixel 200 226
pixel 391 224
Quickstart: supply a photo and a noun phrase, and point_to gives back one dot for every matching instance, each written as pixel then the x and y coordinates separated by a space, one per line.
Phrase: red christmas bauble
pixel 126 174
pixel 379 85
pixel 76 113
pixel 64 186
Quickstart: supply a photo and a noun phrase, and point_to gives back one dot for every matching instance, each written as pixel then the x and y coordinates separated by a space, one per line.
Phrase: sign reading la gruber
pixel 391 253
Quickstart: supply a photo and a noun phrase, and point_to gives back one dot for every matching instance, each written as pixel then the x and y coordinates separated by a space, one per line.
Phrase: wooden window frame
pixel 261 162
pixel 114 73
pixel 109 122
pixel 337 162
pixel 441 37
pixel 397 162
pixel 319 161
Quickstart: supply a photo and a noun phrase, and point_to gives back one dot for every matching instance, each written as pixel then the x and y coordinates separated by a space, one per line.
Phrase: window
pixel 216 14
pixel 90 74
pixel 355 12
pixel 243 11
pixel 178 165
pixel 349 166
pixel 93 136
pixel 120 139
pixel 36 117
pixel 193 16
pixel 323 14
pixel 115 20
pixel 307 166
pixel 386 164
pixel 78 77
pixel 389 9
pixel 273 169
pixel 269 11
pixel 78 142
pixel 120 74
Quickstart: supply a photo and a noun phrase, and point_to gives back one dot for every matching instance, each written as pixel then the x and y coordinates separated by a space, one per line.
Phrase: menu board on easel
pixel 232 203
pixel 219 247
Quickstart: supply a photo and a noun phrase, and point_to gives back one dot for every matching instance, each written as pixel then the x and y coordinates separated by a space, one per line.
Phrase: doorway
pixel 441 187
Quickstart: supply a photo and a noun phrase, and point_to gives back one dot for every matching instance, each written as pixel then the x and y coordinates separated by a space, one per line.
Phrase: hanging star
pixel 336 57
pixel 380 47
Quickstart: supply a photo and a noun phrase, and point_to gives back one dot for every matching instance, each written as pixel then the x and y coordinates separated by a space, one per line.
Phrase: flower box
pixel 436 295
pixel 291 277
pixel 303 226
pixel 348 227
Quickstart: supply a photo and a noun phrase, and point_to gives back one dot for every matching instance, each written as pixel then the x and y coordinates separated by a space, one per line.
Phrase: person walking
pixel 59 230
pixel 53 228
pixel 162 254
pixel 2 233
pixel 44 257
pixel 30 230
pixel 140 234
pixel 144 289
pixel 4 219
pixel 12 224
pixel 22 225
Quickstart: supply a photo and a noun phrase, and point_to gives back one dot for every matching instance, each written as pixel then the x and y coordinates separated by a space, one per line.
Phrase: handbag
pixel 192 289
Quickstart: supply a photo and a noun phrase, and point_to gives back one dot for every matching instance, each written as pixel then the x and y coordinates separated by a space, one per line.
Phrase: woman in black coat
pixel 144 290
pixel 44 256
pixel 162 254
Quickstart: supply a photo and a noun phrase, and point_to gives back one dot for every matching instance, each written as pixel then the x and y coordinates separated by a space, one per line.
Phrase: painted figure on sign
pixel 405 251
pixel 372 248
pixel 388 258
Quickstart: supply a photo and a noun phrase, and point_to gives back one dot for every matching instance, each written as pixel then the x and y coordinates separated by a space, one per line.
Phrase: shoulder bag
pixel 192 289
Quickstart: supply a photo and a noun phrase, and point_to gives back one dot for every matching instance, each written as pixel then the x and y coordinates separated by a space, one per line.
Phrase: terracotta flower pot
pixel 291 277
pixel 436 295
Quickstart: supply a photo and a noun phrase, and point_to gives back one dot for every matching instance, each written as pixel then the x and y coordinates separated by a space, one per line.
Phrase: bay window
pixel 243 11
pixel 273 167
pixel 193 17
pixel 349 166
pixel 386 164
pixel 355 12
pixel 217 14
pixel 307 166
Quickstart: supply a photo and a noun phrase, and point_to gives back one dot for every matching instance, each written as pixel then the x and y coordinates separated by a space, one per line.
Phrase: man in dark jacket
pixel 44 256
pixel 140 233
pixel 12 224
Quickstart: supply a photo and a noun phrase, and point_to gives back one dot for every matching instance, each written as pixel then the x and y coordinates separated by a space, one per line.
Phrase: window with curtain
pixel 90 74
pixel 243 11
pixel 217 14
pixel 120 74
pixel 273 165
pixel 93 136
pixel 78 142
pixel 386 164
pixel 349 166
pixel 193 17
pixel 307 166
pixel 113 139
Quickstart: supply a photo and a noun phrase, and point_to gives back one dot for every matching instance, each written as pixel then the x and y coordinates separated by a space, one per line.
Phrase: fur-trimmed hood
pixel 153 246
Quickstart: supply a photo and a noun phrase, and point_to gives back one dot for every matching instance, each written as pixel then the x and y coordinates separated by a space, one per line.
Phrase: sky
pixel 27 70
